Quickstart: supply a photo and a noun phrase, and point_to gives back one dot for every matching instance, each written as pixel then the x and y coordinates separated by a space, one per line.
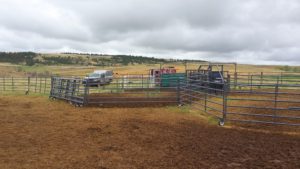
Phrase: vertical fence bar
pixel 35 84
pixel 40 85
pixel 276 98
pixel 85 97
pixel 60 87
pixel 205 97
pixel 261 78
pixel 1 89
pixel 178 91
pixel 45 85
pixel 235 79
pixel 28 85
pixel 67 89
pixel 52 86
pixel 251 83
pixel 116 86
pixel 222 122
pixel 3 83
pixel 142 81
pixel 78 88
pixel 123 82
pixel 228 82
pixel 248 79
pixel 148 81
pixel 189 92
pixel 12 84
pixel 88 94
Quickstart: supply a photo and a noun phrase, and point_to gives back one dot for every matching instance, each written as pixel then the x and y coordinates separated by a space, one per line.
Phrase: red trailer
pixel 156 73
pixel 164 70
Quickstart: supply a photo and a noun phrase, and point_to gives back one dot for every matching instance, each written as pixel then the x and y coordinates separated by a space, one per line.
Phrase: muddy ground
pixel 38 133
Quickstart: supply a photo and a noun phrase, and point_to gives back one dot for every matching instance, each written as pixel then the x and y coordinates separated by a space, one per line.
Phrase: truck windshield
pixel 94 75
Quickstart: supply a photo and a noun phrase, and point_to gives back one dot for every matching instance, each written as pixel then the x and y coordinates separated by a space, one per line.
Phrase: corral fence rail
pixel 246 98
pixel 25 85
pixel 137 90
pixel 267 98
pixel 260 78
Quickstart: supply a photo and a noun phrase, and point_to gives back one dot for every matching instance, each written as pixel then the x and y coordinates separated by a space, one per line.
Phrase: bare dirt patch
pixel 50 134
pixel 138 98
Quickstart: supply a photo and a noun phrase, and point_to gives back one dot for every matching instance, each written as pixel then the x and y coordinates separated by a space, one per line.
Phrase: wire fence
pixel 25 85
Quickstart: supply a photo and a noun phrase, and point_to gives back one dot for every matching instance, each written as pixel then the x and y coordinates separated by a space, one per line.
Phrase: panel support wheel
pixel 221 123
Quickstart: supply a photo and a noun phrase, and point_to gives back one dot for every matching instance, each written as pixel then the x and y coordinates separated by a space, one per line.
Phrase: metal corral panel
pixel 171 80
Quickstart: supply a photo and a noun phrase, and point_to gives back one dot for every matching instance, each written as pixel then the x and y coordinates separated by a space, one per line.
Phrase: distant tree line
pixel 287 68
pixel 30 58
pixel 127 59
pixel 26 58
pixel 61 60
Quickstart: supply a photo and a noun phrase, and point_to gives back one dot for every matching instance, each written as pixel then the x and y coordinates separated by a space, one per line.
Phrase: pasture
pixel 9 70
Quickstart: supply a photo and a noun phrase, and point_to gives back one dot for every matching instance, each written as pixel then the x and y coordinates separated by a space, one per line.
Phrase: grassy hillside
pixel 83 59
pixel 73 64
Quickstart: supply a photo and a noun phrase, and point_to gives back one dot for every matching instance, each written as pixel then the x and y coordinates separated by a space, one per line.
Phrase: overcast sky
pixel 252 31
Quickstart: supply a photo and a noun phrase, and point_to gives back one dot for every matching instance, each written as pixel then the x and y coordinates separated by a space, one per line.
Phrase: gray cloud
pixel 254 31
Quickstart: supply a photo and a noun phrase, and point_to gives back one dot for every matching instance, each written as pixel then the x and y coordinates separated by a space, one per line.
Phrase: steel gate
pixel 69 89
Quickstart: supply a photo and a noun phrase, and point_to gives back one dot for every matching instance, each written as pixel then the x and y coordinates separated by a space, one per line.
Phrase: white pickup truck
pixel 98 78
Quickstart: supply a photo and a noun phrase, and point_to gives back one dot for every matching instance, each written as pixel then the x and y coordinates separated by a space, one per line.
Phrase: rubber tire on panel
pixel 221 123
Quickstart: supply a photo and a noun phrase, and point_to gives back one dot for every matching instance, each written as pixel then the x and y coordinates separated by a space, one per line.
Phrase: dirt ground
pixel 38 133
pixel 134 99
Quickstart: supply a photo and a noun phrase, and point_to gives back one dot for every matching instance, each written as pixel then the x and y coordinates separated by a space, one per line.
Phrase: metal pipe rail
pixel 221 100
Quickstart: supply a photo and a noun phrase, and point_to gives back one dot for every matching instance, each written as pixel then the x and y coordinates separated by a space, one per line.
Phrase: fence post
pixel 35 84
pixel 3 83
pixel 248 77
pixel 60 87
pixel 189 88
pixel 178 91
pixel 225 92
pixel 276 97
pixel 235 79
pixel 28 84
pixel 40 85
pixel 261 78
pixel 67 90
pixel 123 81
pixel 117 86
pixel 45 85
pixel 149 81
pixel 86 91
pixel 205 98
pixel 51 87
pixel 142 81
pixel 251 83
pixel 229 82
pixel 12 84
